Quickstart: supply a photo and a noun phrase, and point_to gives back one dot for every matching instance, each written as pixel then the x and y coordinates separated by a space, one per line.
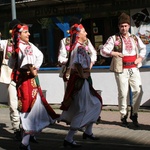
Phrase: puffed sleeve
pixel 62 56
pixel 30 55
pixel 39 58
pixel 92 51
pixel 106 49
pixel 141 47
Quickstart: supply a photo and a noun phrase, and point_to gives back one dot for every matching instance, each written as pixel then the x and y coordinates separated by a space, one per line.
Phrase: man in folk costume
pixel 5 78
pixel 127 52
pixel 35 112
pixel 81 104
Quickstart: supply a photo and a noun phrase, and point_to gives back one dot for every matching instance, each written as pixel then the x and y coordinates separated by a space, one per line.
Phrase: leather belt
pixel 86 70
pixel 128 63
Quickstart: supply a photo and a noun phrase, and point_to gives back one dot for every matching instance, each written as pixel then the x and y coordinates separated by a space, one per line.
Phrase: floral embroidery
pixel 135 39
pixel 8 49
pixel 128 45
pixel 85 44
pixel 81 51
pixel 28 50
pixel 117 44
pixel 34 92
pixel 67 44
pixel 33 83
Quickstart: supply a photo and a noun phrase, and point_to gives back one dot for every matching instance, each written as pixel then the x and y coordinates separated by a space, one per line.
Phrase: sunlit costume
pixel 82 104
pixel 35 112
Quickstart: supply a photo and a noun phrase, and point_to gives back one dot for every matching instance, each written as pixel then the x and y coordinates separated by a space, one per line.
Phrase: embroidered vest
pixel 117 63
pixel 118 42
pixel 8 49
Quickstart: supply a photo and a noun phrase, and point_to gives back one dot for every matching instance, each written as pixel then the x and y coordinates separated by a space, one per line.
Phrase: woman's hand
pixel 33 70
pixel 86 75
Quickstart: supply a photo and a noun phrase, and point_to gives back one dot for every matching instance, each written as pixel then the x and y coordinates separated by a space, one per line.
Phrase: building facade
pixel 48 21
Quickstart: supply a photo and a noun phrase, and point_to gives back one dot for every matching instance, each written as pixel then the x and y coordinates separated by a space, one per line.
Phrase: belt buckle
pixel 128 63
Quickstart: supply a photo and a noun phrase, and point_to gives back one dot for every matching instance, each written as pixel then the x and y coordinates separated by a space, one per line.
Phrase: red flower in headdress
pixel 75 28
pixel 19 26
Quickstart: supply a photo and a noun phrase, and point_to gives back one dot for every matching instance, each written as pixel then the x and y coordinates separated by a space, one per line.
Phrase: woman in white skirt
pixel 35 112
pixel 81 104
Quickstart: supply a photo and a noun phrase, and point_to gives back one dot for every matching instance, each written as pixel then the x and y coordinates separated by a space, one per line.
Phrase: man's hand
pixel 116 54
pixel 138 60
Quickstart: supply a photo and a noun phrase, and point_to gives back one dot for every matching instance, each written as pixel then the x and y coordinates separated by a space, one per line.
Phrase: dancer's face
pixel 82 35
pixel 24 35
pixel 124 28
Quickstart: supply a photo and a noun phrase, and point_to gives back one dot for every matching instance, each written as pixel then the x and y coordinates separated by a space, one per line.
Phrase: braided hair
pixel 75 29
pixel 16 31
pixel 16 35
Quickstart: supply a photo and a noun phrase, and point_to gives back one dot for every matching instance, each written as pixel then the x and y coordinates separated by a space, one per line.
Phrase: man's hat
pixel 123 18
pixel 13 23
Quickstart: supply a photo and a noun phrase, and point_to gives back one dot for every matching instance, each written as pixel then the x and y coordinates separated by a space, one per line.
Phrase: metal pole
pixel 13 9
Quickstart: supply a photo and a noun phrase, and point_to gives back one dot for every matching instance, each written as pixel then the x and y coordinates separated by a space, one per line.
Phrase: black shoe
pixel 134 120
pixel 124 121
pixel 18 135
pixel 98 120
pixel 72 144
pixel 81 129
pixel 33 139
pixel 85 136
pixel 23 147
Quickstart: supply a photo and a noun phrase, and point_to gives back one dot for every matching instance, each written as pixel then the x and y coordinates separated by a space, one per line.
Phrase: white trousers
pixel 13 105
pixel 129 78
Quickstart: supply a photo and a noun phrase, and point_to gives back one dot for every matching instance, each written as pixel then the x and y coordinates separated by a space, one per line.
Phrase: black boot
pixel 134 120
pixel 18 135
pixel 124 121
pixel 23 147
pixel 98 120
pixel 33 139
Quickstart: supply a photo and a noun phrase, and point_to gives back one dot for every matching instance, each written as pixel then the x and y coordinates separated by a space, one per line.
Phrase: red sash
pixel 128 61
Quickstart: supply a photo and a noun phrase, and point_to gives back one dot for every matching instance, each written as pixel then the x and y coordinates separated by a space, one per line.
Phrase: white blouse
pixel 29 54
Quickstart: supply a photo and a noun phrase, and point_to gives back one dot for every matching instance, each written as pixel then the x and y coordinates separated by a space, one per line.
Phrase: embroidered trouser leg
pixel 13 104
pixel 124 80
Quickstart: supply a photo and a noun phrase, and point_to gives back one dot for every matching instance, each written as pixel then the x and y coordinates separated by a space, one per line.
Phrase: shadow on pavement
pixel 130 126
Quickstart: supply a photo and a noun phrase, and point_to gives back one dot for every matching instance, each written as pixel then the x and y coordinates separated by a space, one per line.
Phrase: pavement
pixel 113 136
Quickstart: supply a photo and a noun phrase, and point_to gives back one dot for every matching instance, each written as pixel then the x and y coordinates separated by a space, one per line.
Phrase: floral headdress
pixel 16 35
pixel 75 29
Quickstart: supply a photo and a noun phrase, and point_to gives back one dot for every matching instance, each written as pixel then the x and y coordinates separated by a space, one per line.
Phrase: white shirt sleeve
pixel 30 55
pixel 141 47
pixel 62 56
pixel 107 47
pixel 92 51
pixel 3 44
pixel 39 58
